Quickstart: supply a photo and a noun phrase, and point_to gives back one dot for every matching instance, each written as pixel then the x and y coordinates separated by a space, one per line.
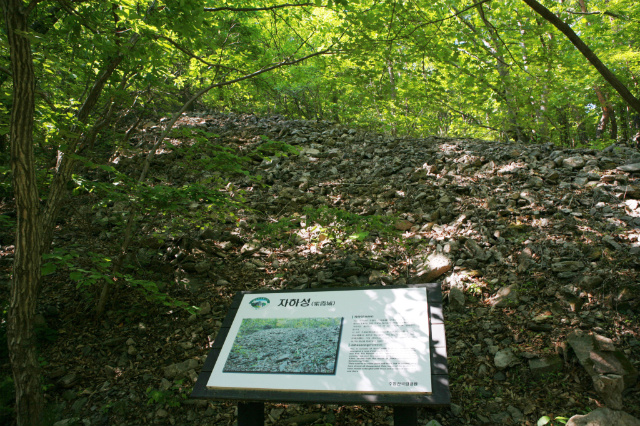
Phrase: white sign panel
pixel 365 341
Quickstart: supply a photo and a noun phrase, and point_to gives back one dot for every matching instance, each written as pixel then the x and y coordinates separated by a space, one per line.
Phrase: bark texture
pixel 26 267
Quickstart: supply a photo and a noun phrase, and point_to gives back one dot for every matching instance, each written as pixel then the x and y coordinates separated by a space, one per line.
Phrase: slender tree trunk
pixel 614 125
pixel 494 47
pixel 606 113
pixel 392 82
pixel 65 162
pixel 587 53
pixel 26 267
pixel 581 128
pixel 624 122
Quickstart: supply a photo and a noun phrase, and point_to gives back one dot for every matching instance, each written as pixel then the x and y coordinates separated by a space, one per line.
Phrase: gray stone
pixel 276 413
pixel 589 282
pixel 310 151
pixel 205 308
pixel 604 417
pixel 483 370
pixel 630 191
pixel 202 267
pixel 505 358
pixel 535 182
pixel 165 384
pixel 303 419
pixel 567 266
pixel 542 366
pixel 456 299
pixel 249 249
pixel 79 404
pixel 575 162
pixel 456 410
pixel 432 267
pixel 597 361
pixel 375 277
pixel 604 343
pixel 506 296
pixel 180 369
pixel 581 181
pixel 610 370
pixel 501 418
pixel 68 380
pixel 611 242
pixel 635 167
pixel 403 225
pixel 516 414
pixel 68 422
pixel 610 387
pixel 347 271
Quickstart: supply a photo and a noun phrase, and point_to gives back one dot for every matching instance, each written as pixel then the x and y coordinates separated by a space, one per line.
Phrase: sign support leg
pixel 250 413
pixel 405 416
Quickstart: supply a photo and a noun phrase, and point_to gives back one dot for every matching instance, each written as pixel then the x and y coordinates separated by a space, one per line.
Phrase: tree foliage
pixel 492 69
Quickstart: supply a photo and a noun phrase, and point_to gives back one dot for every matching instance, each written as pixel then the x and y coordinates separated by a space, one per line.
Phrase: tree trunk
pixel 26 267
pixel 624 122
pixel 606 113
pixel 581 128
pixel 614 125
pixel 494 47
pixel 587 53
pixel 392 82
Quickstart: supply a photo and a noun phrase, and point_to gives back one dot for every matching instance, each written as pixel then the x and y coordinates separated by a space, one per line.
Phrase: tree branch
pixel 437 21
pixel 193 55
pixel 452 16
pixel 71 11
pixel 32 5
pixel 607 13
pixel 195 97
pixel 586 52
pixel 469 117
pixel 256 9
pixel 613 15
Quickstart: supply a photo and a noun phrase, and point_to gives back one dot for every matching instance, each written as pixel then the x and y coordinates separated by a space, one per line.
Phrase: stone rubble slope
pixel 530 242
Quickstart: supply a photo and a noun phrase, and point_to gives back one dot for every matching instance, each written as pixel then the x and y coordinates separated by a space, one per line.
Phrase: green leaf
pixel 32 37
pixel 107 168
pixel 543 421
pixel 76 276
pixel 48 268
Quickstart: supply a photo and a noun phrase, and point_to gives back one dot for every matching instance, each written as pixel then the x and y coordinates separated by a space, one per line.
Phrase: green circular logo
pixel 259 302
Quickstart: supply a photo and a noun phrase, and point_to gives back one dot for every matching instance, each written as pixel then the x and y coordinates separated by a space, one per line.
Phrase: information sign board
pixel 372 341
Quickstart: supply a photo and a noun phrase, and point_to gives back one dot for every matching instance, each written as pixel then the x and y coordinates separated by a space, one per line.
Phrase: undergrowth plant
pixel 171 397
pixel 172 207
pixel 89 269
pixel 552 421
pixel 328 224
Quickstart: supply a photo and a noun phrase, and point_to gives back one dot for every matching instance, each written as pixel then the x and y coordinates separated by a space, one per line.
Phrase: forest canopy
pixel 491 69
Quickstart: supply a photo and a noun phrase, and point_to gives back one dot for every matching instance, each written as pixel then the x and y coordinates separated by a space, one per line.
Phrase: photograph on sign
pixel 362 341
pixel 285 345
